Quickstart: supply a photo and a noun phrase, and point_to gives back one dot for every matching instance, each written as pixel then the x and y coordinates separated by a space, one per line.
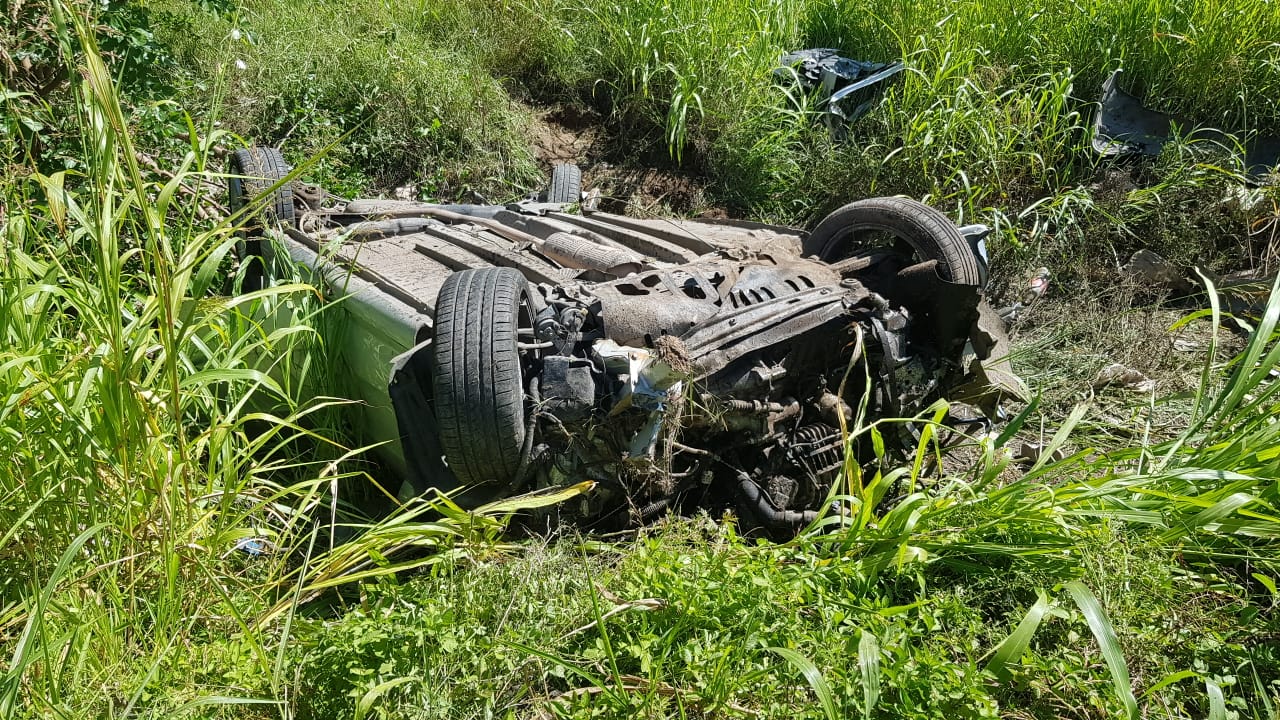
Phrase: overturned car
pixel 676 363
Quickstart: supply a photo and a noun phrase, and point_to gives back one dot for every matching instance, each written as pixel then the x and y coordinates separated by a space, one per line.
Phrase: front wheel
pixel 476 374
pixel 909 226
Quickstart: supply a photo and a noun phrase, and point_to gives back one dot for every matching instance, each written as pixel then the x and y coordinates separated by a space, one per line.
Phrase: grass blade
pixel 869 669
pixel 1011 648
pixel 366 702
pixel 1217 703
pixel 534 500
pixel 811 675
pixel 595 680
pixel 1059 439
pixel 1106 637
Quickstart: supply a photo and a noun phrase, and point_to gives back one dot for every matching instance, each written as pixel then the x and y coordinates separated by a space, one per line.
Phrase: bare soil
pixel 565 134
pixel 627 185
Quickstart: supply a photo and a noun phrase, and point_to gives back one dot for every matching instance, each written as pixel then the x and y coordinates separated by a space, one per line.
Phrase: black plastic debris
pixel 1124 127
pixel 848 89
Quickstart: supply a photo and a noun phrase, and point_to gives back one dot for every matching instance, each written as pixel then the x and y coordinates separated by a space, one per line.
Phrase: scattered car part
pixel 677 363
pixel 1037 287
pixel 252 546
pixel 1123 377
pixel 848 89
pixel 1030 453
pixel 1124 126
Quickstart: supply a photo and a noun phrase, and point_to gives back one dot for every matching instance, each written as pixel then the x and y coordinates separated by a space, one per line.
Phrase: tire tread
pixel 566 184
pixel 479 396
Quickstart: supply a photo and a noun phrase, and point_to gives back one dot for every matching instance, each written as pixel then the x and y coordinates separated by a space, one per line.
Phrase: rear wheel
pixel 566 184
pixel 476 374
pixel 253 172
pixel 911 227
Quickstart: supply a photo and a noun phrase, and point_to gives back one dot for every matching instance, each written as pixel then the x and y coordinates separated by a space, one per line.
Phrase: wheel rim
pixel 868 238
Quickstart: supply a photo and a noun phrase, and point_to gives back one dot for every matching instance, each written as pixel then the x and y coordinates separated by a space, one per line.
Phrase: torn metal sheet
pixel 848 89
pixel 646 381
pixel 1124 126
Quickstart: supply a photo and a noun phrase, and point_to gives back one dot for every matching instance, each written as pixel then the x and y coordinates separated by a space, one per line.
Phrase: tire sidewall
pixel 928 232
pixel 254 245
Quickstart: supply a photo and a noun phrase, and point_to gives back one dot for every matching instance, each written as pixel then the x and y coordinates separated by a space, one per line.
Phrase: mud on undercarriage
pixel 675 363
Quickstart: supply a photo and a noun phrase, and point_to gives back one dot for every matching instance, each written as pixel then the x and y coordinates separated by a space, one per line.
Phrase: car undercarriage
pixel 678 364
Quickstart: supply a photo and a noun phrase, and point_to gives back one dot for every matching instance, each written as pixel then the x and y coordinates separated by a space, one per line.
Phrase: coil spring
pixel 818 448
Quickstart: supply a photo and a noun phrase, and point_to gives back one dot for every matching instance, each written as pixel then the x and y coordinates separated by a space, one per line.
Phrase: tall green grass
pixel 136 449
pixel 128 467
pixel 990 122
pixel 393 93
pixel 171 480
pixel 992 114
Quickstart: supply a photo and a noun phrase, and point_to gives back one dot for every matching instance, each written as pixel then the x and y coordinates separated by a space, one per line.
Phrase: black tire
pixel 928 232
pixel 476 374
pixel 566 184
pixel 251 173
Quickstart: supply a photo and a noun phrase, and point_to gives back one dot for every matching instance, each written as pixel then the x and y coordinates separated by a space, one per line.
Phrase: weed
pixel 990 121
pixel 148 427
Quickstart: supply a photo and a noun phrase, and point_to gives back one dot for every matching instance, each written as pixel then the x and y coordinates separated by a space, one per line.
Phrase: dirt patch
pixel 627 186
pixel 565 134
pixel 649 192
